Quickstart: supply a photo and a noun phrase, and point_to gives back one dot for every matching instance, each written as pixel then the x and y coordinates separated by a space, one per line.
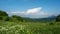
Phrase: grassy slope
pixel 28 28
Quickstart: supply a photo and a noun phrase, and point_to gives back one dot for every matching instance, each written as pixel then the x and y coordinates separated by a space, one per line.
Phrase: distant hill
pixel 46 19
pixel 40 19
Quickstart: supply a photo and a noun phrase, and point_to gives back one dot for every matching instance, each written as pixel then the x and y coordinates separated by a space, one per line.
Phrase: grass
pixel 29 28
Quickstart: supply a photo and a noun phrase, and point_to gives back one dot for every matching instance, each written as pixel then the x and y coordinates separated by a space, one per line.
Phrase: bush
pixel 1 18
pixel 51 23
pixel 58 18
pixel 7 19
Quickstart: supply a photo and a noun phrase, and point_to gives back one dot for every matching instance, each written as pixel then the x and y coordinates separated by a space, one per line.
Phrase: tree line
pixel 5 17
pixel 14 18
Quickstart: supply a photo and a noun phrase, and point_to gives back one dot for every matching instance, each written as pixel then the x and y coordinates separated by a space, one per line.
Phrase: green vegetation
pixel 19 25
pixel 3 13
pixel 29 28
pixel 58 18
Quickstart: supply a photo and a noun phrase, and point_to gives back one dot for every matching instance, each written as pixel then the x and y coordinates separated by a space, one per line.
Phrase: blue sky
pixel 31 8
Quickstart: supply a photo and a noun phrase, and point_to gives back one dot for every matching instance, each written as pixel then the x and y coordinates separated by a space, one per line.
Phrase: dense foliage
pixel 58 18
pixel 3 13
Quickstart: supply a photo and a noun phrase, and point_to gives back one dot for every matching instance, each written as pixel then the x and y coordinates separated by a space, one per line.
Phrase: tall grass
pixel 28 28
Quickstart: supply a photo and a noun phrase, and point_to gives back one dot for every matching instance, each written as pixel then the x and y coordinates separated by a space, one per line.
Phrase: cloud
pixel 29 11
pixel 32 13
pixel 34 10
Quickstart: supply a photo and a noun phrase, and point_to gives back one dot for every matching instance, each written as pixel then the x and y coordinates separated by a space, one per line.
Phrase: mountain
pixel 40 19
pixel 46 19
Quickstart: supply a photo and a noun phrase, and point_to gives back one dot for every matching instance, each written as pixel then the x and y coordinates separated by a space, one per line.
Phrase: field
pixel 29 28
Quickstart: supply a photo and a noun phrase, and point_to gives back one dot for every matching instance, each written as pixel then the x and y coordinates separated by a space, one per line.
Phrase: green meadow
pixel 7 27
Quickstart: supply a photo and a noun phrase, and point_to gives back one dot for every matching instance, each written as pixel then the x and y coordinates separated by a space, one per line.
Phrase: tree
pixel 58 18
pixel 16 18
pixel 3 13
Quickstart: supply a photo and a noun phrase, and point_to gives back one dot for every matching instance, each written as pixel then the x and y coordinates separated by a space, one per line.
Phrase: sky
pixel 31 8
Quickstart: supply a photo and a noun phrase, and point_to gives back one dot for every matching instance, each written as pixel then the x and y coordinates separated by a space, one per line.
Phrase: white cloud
pixel 29 11
pixel 33 13
pixel 34 10
pixel 14 13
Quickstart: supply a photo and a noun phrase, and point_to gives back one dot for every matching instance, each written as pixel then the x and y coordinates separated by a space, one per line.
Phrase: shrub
pixel 58 18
